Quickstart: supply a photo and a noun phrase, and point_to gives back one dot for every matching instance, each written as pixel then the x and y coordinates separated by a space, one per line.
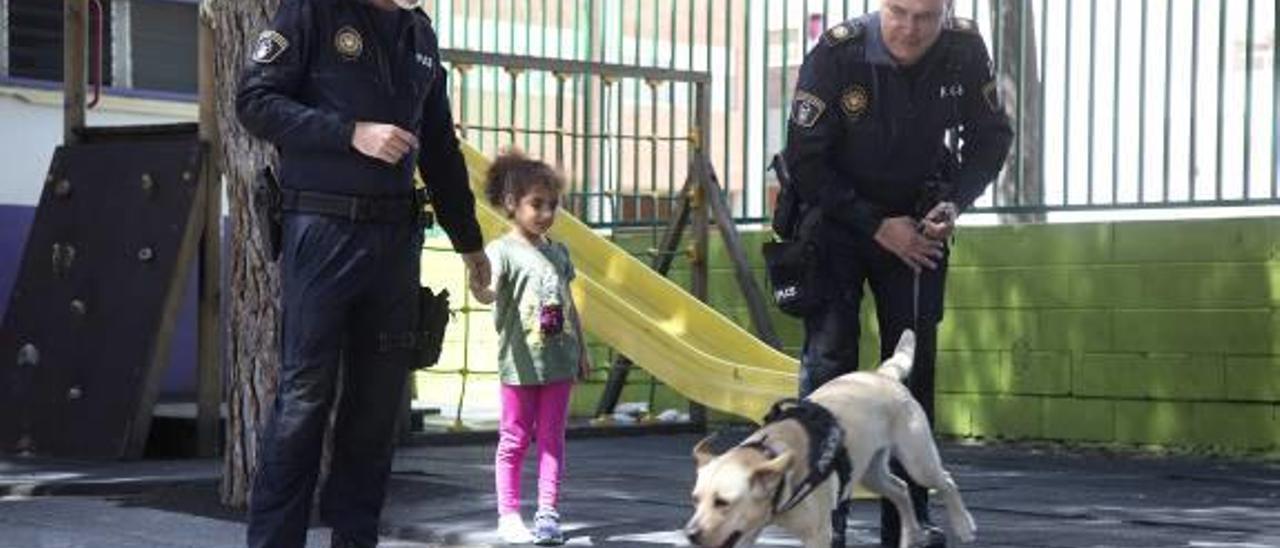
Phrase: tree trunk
pixel 1013 18
pixel 251 302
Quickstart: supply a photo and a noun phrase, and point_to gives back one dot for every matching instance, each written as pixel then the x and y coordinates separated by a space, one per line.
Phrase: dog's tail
pixel 898 366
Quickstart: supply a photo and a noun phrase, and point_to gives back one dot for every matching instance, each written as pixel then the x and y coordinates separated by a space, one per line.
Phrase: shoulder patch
pixel 844 32
pixel 963 24
pixel 269 47
pixel 806 109
pixel 422 14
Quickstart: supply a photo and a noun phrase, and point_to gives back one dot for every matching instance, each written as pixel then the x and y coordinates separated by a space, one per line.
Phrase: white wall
pixel 31 128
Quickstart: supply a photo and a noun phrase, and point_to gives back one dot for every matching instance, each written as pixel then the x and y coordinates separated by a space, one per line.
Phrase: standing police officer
pixel 353 95
pixel 876 102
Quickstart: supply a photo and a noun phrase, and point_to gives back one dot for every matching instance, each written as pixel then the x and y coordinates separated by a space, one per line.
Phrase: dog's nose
pixel 694 534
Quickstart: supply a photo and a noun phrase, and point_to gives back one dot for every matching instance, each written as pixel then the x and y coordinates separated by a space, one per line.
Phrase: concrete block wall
pixel 1140 333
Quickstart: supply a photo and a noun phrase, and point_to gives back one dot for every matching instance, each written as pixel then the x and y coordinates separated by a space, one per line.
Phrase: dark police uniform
pixel 351 247
pixel 868 141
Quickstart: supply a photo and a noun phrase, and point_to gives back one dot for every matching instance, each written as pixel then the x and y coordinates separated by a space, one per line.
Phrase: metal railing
pixel 566 93
pixel 565 111
pixel 1117 103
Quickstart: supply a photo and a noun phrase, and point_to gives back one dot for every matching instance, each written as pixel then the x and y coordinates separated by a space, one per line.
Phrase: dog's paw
pixel 964 528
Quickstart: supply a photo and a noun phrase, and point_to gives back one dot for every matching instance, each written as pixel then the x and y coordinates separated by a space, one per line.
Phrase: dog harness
pixel 827 453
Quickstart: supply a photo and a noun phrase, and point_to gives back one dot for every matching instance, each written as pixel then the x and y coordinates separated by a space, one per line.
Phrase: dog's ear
pixel 773 467
pixel 702 452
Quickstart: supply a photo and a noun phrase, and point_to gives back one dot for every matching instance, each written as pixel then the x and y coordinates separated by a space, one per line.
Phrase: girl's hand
pixel 584 365
pixel 483 293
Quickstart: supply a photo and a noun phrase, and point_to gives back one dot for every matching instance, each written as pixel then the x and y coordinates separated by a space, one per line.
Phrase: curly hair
pixel 514 174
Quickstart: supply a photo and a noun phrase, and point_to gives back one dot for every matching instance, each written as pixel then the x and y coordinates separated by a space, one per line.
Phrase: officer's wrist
pixel 348 133
pixel 866 217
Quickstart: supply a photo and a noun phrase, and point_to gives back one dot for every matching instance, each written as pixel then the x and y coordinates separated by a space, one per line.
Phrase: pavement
pixel 633 492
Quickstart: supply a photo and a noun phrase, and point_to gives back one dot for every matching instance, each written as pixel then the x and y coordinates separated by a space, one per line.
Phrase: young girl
pixel 541 348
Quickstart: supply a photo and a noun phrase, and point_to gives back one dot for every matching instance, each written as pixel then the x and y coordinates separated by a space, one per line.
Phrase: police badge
pixel 855 101
pixel 348 43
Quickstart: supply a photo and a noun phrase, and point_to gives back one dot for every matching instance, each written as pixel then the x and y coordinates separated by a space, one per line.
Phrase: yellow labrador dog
pixel 790 471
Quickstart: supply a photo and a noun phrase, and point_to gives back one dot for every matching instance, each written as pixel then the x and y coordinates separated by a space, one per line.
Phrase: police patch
pixel 806 109
pixel 964 25
pixel 348 43
pixel 991 94
pixel 270 45
pixel 842 32
pixel 855 101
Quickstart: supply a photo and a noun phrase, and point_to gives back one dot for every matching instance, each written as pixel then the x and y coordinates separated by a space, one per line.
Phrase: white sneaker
pixel 512 530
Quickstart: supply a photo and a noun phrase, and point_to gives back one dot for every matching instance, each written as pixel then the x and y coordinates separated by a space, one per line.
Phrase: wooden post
pixel 738 256
pixel 701 222
pixel 74 23
pixel 209 365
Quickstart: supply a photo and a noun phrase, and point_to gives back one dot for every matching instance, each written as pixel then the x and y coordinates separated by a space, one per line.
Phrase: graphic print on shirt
pixel 542 307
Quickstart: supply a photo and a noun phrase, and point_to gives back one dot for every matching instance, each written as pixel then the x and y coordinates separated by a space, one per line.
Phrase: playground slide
pixel 656 323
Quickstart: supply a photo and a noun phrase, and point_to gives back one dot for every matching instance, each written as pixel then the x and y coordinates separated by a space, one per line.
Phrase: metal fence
pixel 1117 103
pixel 546 110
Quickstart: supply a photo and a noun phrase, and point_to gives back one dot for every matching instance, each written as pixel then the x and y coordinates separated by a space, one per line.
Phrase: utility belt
pixel 358 209
pixel 270 202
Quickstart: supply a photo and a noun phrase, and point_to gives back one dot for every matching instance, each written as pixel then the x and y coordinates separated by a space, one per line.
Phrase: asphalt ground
pixel 633 492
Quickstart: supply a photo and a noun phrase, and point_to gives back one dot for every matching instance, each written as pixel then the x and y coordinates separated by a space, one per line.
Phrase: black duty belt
pixel 406 208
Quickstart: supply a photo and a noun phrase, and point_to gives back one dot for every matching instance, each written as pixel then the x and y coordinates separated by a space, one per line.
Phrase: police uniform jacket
pixel 322 66
pixel 866 135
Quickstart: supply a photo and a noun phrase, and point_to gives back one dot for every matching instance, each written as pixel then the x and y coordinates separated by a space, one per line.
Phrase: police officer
pixel 877 102
pixel 353 95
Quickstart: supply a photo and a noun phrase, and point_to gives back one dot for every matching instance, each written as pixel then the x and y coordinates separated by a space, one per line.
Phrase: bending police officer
pixel 875 103
pixel 353 95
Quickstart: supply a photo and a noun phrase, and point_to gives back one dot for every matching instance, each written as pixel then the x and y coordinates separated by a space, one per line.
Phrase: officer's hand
pixel 900 237
pixel 478 268
pixel 483 294
pixel 384 142
pixel 940 223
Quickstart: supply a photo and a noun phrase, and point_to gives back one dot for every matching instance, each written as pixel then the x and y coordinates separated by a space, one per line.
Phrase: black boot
pixel 339 540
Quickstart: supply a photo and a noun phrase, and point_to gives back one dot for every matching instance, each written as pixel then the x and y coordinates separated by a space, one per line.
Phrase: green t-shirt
pixel 537 344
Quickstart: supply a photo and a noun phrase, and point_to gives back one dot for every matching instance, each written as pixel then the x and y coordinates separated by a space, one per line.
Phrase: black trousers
pixel 343 285
pixel 851 262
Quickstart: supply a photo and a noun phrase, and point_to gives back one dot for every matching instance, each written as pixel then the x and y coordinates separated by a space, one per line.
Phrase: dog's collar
pixel 827 454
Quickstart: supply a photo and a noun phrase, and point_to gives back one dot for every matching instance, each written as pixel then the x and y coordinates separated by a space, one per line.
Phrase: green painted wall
pixel 1164 333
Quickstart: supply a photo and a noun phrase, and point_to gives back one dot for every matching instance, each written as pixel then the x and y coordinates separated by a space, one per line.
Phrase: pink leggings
pixel 525 408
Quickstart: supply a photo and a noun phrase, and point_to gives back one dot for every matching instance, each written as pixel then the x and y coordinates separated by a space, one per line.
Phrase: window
pixel 163 48
pixel 35 40
pixel 155 39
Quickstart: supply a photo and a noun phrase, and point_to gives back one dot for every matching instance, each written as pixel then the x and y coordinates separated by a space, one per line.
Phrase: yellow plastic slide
pixel 654 322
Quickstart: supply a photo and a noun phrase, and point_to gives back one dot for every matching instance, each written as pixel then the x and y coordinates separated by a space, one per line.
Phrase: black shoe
pixel 933 538
pixel 339 540
pixel 839 522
